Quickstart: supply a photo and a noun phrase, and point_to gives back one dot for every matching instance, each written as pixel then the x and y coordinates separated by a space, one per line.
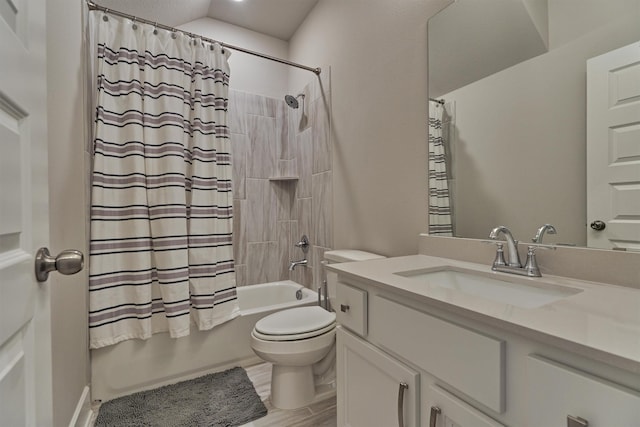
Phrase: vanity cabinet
pixel 385 351
pixel 462 372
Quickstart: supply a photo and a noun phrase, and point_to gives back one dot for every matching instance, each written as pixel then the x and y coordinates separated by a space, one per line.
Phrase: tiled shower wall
pixel 271 141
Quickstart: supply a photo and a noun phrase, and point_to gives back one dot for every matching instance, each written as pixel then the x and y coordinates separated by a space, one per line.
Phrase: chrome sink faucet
pixel 512 245
pixel 514 266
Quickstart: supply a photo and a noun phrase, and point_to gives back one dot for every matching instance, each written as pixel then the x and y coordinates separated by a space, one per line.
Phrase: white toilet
pixel 298 339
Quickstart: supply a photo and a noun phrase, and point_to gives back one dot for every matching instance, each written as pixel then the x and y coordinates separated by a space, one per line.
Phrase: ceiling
pixel 276 18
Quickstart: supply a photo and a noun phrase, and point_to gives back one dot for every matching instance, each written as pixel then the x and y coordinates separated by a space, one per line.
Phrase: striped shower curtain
pixel 161 211
pixel 440 214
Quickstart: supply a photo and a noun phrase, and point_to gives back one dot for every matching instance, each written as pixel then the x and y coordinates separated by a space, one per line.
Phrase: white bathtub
pixel 136 365
pixel 270 297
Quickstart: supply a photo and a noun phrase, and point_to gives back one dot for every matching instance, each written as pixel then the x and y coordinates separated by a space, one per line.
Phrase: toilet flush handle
pixel 344 308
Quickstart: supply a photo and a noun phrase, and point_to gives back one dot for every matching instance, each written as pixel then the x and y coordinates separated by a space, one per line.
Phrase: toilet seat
pixel 294 337
pixel 295 324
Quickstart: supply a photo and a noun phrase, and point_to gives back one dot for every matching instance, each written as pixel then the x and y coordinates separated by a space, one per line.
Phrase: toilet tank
pixel 343 255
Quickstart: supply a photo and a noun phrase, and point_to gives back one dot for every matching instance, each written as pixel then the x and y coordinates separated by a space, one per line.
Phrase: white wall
pixel 67 204
pixel 248 73
pixel 377 50
pixel 519 155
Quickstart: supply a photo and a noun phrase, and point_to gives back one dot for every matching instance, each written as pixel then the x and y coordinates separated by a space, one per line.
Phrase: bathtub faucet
pixel 303 244
pixel 294 264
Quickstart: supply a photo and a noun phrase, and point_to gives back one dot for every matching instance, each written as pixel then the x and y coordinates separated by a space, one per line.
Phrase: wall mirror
pixel 511 80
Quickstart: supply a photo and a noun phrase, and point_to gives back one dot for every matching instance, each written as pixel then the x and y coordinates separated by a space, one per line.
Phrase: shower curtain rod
pixel 439 101
pixel 94 6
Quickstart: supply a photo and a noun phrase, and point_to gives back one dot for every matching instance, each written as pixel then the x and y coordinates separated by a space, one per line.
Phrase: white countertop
pixel 601 322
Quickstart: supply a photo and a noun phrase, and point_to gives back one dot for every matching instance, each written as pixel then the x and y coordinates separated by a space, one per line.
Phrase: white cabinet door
pixel 370 386
pixel 443 409
pixel 25 339
pixel 557 391
pixel 613 152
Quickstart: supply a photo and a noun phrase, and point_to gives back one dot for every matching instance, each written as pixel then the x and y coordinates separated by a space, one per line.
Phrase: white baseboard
pixel 83 414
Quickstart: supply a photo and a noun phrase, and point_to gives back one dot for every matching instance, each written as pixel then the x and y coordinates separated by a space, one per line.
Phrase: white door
pixel 373 388
pixel 613 149
pixel 25 341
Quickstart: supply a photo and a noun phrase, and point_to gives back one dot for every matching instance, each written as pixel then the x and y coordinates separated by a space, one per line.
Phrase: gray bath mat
pixel 224 399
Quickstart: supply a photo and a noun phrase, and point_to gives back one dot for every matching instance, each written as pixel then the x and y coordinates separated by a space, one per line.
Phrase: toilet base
pixel 292 387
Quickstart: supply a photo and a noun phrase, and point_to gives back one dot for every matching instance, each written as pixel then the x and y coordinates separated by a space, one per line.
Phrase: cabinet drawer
pixel 557 390
pixel 467 360
pixel 452 411
pixel 351 308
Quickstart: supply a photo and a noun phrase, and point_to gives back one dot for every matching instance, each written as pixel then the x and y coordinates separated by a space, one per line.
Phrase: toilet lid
pixel 295 321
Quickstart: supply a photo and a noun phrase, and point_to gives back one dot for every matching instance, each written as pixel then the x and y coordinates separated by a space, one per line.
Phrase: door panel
pixel 25 342
pixel 368 386
pixel 613 148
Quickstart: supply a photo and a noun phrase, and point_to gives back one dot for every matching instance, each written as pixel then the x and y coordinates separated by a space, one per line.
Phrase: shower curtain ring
pixel 155 28
pixel 134 26
pixel 105 18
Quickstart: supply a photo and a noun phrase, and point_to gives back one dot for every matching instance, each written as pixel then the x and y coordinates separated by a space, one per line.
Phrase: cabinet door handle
pixel 402 387
pixel 433 419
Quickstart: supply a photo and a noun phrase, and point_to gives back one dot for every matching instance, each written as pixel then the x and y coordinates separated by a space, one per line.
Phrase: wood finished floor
pixel 318 414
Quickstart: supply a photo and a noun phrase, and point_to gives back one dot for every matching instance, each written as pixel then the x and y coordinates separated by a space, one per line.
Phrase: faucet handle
pixel 499 260
pixel 531 266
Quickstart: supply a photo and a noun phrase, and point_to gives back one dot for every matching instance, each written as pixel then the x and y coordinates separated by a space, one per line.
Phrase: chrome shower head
pixel 292 101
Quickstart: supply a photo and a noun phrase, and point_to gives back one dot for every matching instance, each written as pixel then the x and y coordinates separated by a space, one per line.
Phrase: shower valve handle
pixel 303 244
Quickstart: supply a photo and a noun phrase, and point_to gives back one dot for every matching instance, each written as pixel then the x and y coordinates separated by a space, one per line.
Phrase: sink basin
pixel 516 292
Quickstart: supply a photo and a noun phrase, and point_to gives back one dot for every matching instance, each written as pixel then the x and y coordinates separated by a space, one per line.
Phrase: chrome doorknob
pixel 67 262
pixel 598 225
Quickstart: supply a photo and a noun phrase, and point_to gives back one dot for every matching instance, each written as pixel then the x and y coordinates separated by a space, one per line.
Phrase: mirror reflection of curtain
pixel 440 209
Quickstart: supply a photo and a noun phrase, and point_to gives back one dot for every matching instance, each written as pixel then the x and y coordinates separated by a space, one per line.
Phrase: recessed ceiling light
pixel 238 0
